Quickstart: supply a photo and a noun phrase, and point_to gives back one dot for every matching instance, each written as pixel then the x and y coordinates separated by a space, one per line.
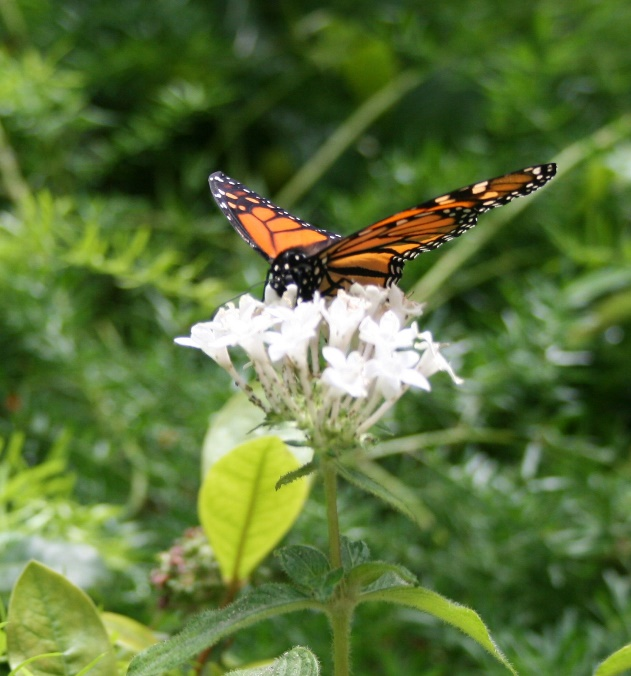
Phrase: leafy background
pixel 112 115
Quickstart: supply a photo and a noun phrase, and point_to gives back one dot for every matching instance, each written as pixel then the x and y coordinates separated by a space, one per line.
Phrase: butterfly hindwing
pixel 266 227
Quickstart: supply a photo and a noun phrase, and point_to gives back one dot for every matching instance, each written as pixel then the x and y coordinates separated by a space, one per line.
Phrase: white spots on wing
pixel 445 199
pixel 479 187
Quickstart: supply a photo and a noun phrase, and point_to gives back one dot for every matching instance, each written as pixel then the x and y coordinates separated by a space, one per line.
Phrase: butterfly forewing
pixel 388 243
pixel 263 225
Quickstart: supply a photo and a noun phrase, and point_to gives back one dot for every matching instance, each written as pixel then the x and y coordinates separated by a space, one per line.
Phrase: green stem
pixel 341 608
pixel 329 476
pixel 340 618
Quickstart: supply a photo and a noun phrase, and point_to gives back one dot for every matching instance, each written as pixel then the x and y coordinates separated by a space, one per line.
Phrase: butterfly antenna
pixel 230 300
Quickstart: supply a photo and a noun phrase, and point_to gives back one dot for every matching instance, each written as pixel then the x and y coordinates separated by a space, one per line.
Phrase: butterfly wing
pixel 376 254
pixel 267 228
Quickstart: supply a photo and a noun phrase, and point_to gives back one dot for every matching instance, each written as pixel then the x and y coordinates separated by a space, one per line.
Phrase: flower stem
pixel 340 619
pixel 341 609
pixel 329 477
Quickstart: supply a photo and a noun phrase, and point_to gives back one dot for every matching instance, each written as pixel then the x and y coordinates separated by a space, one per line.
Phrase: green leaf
pixel 304 565
pixel 329 583
pixel 209 627
pixel 242 514
pixel 298 661
pixel 428 601
pixel 303 471
pixel 379 490
pixel 368 573
pixel 128 633
pixel 616 663
pixel 48 614
pixel 354 552
pixel 309 568
pixel 406 499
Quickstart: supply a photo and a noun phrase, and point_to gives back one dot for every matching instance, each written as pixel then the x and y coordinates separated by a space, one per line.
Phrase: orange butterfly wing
pixel 376 254
pixel 266 227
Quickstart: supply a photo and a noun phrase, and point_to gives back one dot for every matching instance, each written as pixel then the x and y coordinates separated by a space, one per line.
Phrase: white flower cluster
pixel 331 366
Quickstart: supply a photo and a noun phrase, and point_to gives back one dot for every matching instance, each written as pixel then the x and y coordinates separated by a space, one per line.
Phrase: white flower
pixel 203 338
pixel 387 335
pixel 343 315
pixel 288 299
pixel 374 295
pixel 395 370
pixel 345 373
pixel 243 326
pixel 431 359
pixel 371 357
pixel 403 307
pixel 296 331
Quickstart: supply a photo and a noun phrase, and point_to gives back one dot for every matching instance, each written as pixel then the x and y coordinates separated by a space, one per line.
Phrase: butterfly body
pixel 296 267
pixel 318 260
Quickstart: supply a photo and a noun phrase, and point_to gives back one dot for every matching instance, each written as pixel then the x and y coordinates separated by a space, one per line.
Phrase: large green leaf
pixel 209 627
pixel 48 614
pixel 461 617
pixel 244 516
pixel 616 663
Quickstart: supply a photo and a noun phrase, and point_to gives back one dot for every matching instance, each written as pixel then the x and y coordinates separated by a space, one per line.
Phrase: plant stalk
pixel 329 476
pixel 340 618
pixel 341 608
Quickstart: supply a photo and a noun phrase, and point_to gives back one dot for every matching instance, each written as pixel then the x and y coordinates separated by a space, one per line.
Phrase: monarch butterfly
pixel 317 260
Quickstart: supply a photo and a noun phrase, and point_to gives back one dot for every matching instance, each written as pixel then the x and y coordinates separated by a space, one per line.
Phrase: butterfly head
pixel 296 267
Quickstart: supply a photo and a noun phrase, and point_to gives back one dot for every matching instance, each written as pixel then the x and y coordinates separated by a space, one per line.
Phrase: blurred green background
pixel 112 115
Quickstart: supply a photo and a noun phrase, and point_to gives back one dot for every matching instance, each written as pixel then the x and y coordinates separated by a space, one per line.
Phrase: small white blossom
pixel 203 337
pixel 288 299
pixel 343 315
pixel 374 295
pixel 345 373
pixel 403 307
pixel 432 361
pixel 242 326
pixel 387 335
pixel 392 372
pixel 296 331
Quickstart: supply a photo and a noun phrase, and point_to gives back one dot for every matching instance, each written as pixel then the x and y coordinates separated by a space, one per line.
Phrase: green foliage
pixel 111 117
pixel 321 589
pixel 41 519
pixel 55 624
pixel 296 662
pixel 244 516
pixel 209 627
pixel 617 663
